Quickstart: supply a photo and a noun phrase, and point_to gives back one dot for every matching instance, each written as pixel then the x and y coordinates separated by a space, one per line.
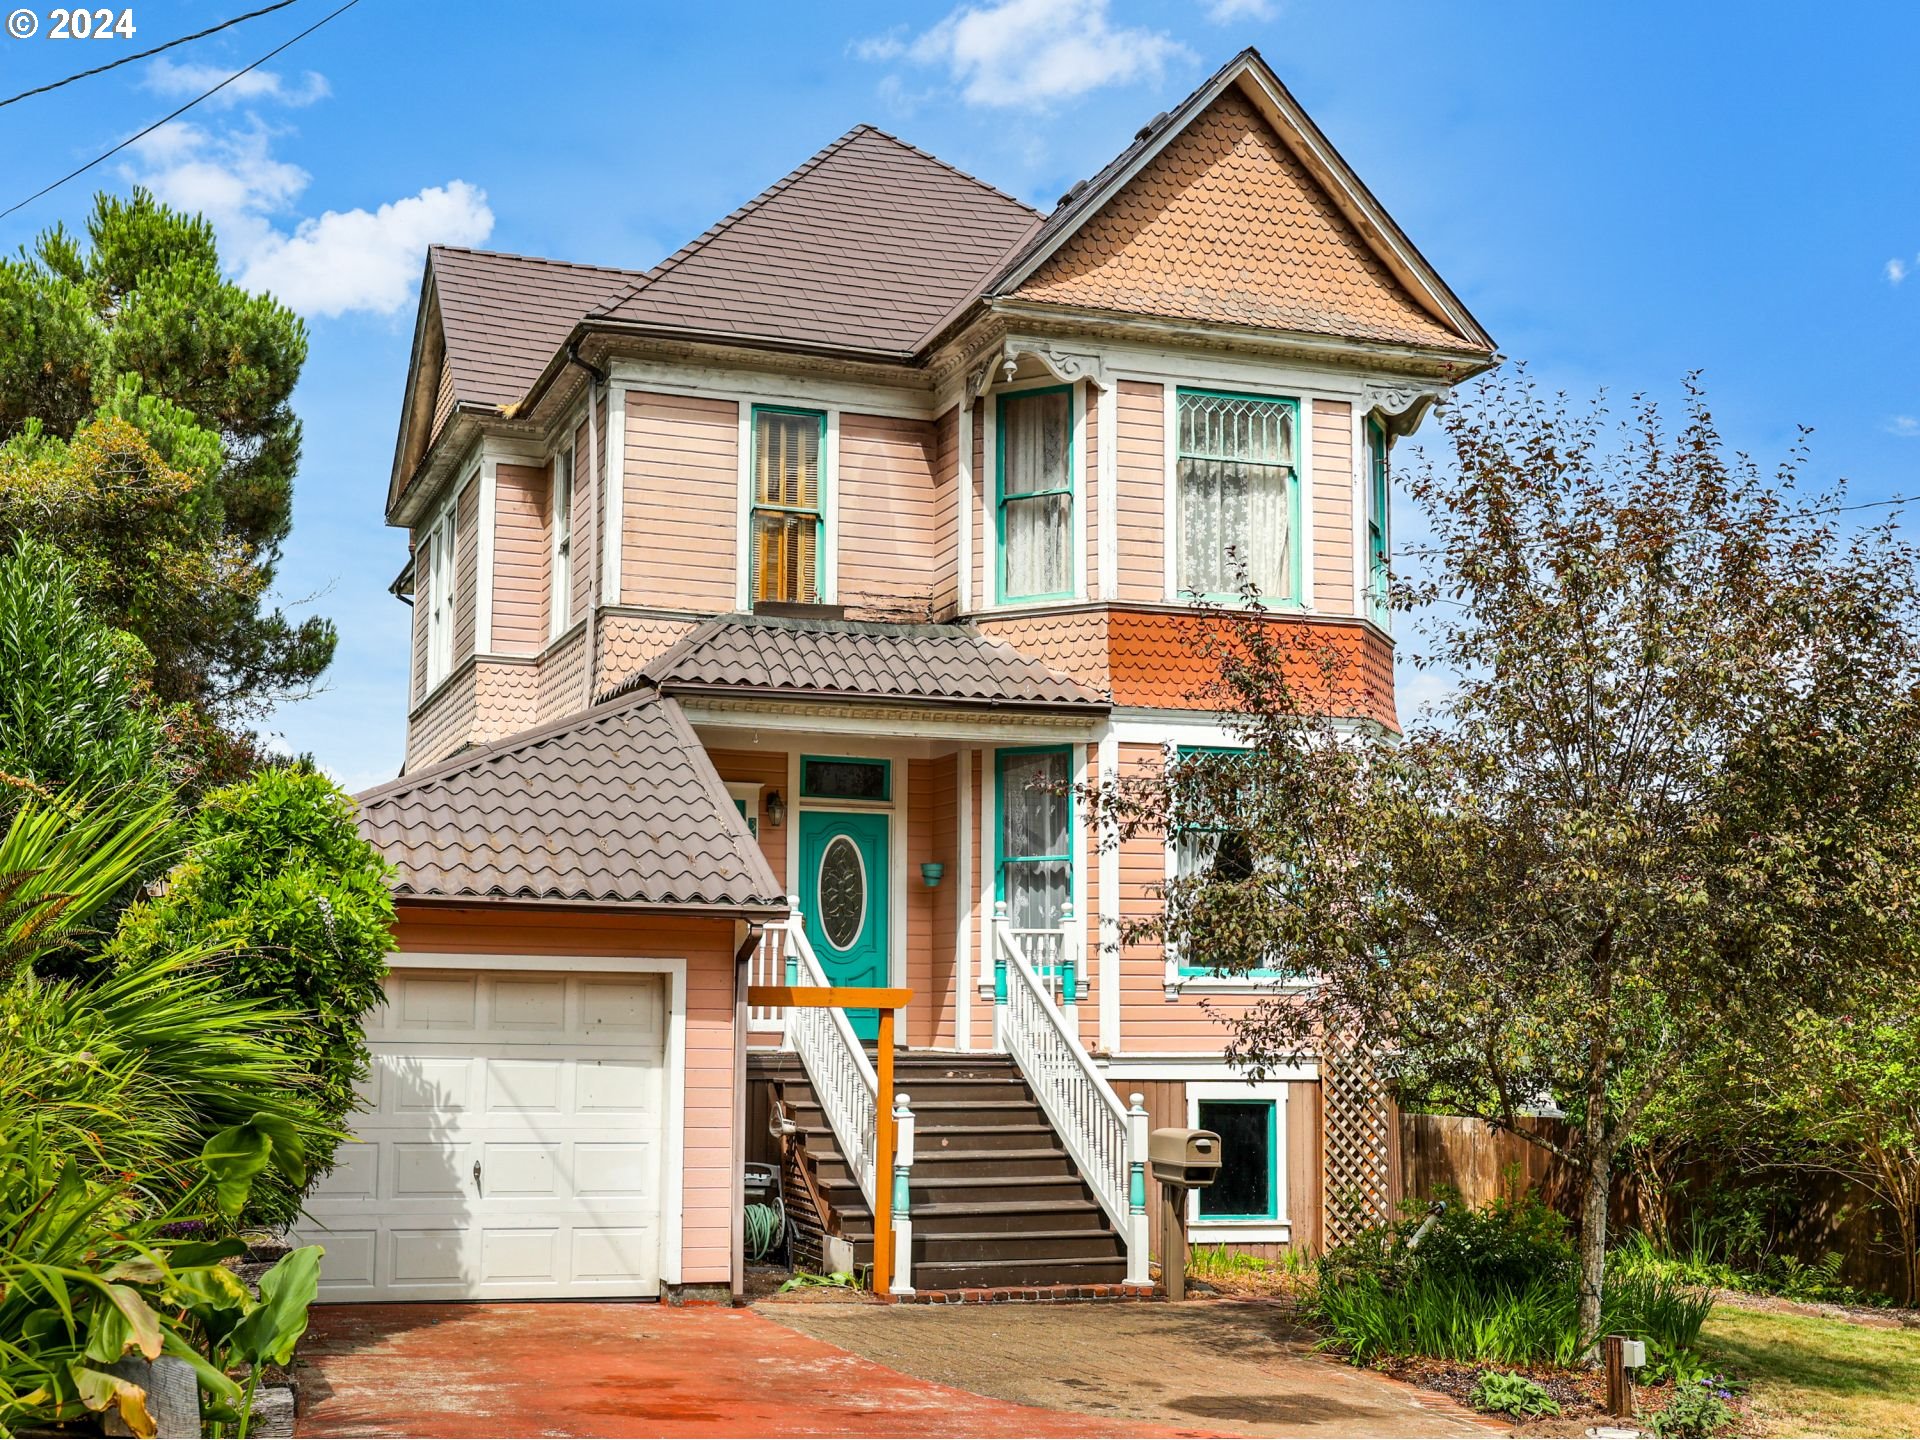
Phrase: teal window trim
pixel 753 821
pixel 1296 581
pixel 1001 596
pixel 1209 972
pixel 1000 856
pixel 755 508
pixel 886 767
pixel 1379 515
pixel 1273 1159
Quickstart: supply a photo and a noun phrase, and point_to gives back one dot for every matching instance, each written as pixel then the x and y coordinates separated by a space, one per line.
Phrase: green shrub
pixel 1505 1393
pixel 278 878
pixel 1707 1257
pixel 1497 1287
pixel 1696 1410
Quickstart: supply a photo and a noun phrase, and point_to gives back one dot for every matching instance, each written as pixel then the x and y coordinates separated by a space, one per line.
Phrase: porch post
pixel 1137 1272
pixel 902 1201
pixel 998 942
pixel 1069 966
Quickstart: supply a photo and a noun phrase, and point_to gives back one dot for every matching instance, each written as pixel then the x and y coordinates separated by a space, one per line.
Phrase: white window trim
pixel 560 597
pixel 1279 1229
pixel 443 585
pixel 989 498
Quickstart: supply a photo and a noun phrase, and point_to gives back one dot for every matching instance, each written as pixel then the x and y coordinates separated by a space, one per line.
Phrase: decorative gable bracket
pixel 1066 366
pixel 1401 408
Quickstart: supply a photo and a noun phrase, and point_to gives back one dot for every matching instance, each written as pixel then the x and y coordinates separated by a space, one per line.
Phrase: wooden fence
pixel 1827 1215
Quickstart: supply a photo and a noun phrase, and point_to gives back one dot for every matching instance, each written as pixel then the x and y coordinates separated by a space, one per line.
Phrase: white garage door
pixel 512 1143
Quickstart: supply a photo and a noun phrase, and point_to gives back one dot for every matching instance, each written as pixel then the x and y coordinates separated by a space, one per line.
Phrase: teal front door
pixel 843 895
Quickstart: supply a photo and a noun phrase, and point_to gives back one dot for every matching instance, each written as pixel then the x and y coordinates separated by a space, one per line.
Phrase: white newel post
pixel 1137 1272
pixel 1000 939
pixel 1069 966
pixel 902 1213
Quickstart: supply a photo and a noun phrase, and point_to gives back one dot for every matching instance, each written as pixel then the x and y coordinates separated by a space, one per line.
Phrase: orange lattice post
pixel 886 1001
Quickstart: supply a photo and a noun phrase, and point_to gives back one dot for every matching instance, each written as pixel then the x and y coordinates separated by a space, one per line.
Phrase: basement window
pixel 1248 1200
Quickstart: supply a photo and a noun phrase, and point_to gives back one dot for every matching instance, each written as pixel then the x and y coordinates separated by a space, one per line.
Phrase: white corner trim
pixel 963 899
pixel 830 501
pixel 614 507
pixel 1359 518
pixel 1109 863
pixel 1107 476
pixel 485 518
pixel 743 524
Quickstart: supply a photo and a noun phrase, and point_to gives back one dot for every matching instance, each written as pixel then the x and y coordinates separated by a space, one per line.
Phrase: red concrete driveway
pixel 620 1370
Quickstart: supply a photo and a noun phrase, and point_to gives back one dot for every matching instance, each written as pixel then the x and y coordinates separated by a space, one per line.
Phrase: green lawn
pixel 1812 1376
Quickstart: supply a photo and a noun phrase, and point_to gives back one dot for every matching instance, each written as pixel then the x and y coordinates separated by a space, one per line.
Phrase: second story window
pixel 1036 495
pixel 441 540
pixel 1377 503
pixel 561 602
pixel 1238 496
pixel 786 523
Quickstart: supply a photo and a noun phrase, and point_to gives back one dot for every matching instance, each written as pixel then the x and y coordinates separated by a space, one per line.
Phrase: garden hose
pixel 765 1226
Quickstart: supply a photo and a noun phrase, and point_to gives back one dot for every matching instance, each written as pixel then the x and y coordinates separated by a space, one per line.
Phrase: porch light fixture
pixel 776 809
pixel 931 873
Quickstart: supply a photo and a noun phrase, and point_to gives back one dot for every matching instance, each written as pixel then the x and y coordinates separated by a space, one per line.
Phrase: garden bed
pixel 1580 1394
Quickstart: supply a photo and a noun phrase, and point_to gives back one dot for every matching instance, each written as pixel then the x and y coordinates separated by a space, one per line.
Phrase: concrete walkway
pixel 621 1370
pixel 1235 1367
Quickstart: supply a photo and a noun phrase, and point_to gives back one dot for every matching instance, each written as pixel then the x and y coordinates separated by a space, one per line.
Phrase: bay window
pixel 1238 495
pixel 1036 494
pixel 786 524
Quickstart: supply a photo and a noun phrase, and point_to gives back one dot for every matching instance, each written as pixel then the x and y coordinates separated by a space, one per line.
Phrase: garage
pixel 515 1142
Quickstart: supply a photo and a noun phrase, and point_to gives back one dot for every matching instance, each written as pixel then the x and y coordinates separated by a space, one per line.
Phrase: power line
pixel 129 59
pixel 75 174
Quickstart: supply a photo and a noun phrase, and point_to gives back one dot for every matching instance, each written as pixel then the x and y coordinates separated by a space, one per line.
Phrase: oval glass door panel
pixel 843 892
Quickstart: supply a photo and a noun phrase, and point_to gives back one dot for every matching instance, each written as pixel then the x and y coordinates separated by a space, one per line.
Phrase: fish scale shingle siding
pixel 1225 225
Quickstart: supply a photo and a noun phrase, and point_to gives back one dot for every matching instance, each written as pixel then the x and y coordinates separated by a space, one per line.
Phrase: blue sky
pixel 1621 192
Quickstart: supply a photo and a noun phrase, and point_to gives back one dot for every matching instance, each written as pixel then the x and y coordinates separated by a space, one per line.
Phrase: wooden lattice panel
pixel 1358 1178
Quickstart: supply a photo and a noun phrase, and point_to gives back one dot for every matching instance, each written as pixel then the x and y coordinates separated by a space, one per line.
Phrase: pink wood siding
pixel 466 570
pixel 931 835
pixel 1140 482
pixel 1333 522
pixel 709 1104
pixel 888 523
pixel 767 768
pixel 946 518
pixel 585 532
pixel 422 584
pixel 520 559
pixel 681 503
pixel 1090 500
pixel 942 805
pixel 982 499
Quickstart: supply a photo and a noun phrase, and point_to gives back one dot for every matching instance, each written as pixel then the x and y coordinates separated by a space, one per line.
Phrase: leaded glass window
pixel 1238 495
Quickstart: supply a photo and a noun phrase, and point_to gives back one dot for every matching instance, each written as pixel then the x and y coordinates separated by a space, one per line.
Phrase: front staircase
pixel 996 1200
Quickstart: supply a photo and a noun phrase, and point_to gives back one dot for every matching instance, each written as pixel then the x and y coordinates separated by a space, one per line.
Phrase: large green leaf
pixel 270 1331
pixel 233 1158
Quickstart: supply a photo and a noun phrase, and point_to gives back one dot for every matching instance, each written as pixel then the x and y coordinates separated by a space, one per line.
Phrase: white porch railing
pixel 842 1075
pixel 1108 1141
pixel 768 966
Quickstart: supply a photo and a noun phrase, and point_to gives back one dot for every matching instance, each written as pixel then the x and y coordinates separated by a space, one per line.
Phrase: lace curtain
pixel 1236 473
pixel 1036 493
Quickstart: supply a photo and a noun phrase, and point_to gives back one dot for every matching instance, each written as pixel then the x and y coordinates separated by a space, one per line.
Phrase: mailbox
pixel 1187 1158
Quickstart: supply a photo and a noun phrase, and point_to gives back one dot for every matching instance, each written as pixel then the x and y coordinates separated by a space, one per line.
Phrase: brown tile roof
pixel 851 659
pixel 506 315
pixel 868 246
pixel 615 806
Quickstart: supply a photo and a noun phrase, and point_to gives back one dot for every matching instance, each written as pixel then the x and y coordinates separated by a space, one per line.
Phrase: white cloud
pixel 1905 426
pixel 1896 271
pixel 1032 52
pixel 1225 12
pixel 163 77
pixel 340 261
